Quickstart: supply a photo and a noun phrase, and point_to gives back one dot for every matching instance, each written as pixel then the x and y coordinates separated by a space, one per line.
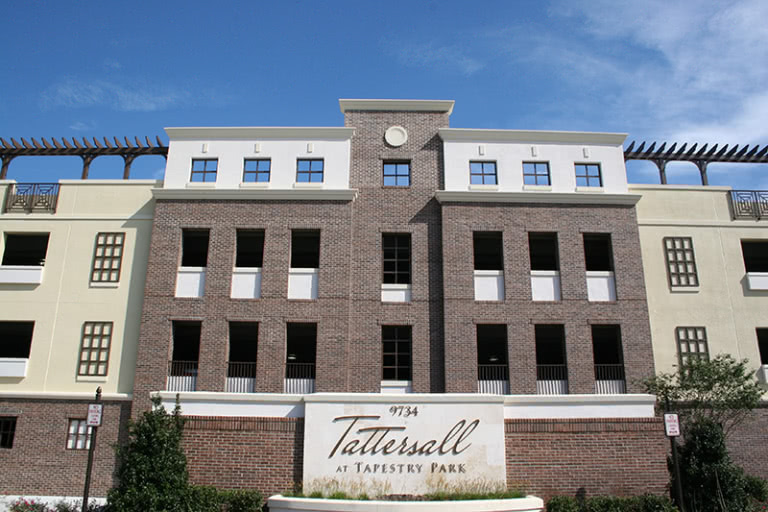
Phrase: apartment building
pixel 74 256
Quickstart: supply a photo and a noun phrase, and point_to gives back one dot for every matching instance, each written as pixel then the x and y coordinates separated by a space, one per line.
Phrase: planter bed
pixel 280 503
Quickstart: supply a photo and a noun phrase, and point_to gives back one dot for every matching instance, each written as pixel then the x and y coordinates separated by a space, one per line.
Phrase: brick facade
pixel 40 463
pixel 748 443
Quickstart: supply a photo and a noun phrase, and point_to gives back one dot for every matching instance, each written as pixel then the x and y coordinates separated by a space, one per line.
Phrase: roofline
pixel 532 136
pixel 446 106
pixel 259 132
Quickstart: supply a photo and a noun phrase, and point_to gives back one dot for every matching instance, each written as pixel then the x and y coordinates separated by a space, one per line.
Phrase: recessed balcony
pixel 489 285
pixel 21 274
pixel 601 286
pixel 493 379
pixel 299 378
pixel 551 379
pixel 610 379
pixel 302 283
pixel 545 285
pixel 13 367
pixel 182 376
pixel 241 377
pixel 757 281
pixel 246 283
pixel 393 292
pixel 190 282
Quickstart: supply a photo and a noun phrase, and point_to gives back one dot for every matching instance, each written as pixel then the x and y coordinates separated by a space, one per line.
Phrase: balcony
pixel 545 285
pixel 489 285
pixel 493 379
pixel 182 376
pixel 21 274
pixel 32 198
pixel 551 379
pixel 302 283
pixel 13 366
pixel 391 292
pixel 246 283
pixel 601 286
pixel 190 282
pixel 241 377
pixel 610 379
pixel 749 204
pixel 299 378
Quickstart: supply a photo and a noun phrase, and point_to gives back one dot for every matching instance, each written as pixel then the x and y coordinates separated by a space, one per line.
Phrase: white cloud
pixel 112 64
pixel 80 126
pixel 73 93
pixel 434 55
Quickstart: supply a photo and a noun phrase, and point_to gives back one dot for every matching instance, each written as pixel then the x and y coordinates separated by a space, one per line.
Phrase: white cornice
pixel 676 188
pixel 115 183
pixel 639 398
pixel 530 136
pixel 260 133
pixel 58 395
pixel 436 398
pixel 474 196
pixel 397 105
pixel 256 194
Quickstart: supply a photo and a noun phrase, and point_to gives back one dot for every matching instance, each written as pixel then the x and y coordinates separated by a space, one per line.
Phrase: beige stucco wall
pixel 65 299
pixel 723 304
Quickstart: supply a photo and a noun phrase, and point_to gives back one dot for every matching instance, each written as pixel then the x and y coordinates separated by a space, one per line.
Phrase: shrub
pixel 241 500
pixel 25 505
pixel 611 504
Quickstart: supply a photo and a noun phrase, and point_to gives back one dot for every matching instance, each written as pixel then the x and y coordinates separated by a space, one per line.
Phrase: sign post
pixel 94 422
pixel 672 430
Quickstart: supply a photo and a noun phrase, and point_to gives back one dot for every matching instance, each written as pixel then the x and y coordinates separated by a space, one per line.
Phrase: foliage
pixel 711 482
pixel 721 389
pixel 240 500
pixel 645 503
pixel 25 505
pixel 152 468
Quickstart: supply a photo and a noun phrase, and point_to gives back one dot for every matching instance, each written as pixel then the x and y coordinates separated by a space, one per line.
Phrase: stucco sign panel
pixel 389 445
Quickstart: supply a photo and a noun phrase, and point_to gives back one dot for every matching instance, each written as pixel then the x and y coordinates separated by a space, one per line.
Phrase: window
pixel 588 175
pixel 309 171
pixel 482 173
pixel 194 248
pixel 396 258
pixel 25 249
pixel 186 341
pixel 762 345
pixel 488 250
pixel 396 352
pixel 550 360
pixel 257 171
pixel 691 343
pixel 536 173
pixel 681 263
pixel 755 255
pixel 250 248
pixel 94 349
pixel 609 359
pixel 16 339
pixel 598 254
pixel 7 431
pixel 397 174
pixel 241 367
pixel 204 170
pixel 305 249
pixel 543 250
pixel 301 350
pixel 78 435
pixel 107 258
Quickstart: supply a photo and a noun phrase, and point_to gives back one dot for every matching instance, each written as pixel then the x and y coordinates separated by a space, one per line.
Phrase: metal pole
pixel 90 458
pixel 675 466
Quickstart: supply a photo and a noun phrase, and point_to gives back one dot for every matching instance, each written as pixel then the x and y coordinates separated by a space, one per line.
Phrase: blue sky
pixel 687 71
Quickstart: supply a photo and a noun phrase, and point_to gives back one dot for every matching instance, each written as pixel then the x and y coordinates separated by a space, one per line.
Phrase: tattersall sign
pixel 403 444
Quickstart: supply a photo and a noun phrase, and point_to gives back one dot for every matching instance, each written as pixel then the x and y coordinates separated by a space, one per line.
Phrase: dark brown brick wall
pixel 622 457
pixel 40 464
pixel 245 453
pixel 520 313
pixel 748 443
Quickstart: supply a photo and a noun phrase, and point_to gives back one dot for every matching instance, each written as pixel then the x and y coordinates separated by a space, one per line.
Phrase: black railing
pixel 32 197
pixel 492 372
pixel 300 370
pixel 241 370
pixel 749 204
pixel 609 372
pixel 182 375
pixel 551 372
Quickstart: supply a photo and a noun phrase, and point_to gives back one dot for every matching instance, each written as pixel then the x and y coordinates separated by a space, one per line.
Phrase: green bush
pixel 646 503
pixel 241 500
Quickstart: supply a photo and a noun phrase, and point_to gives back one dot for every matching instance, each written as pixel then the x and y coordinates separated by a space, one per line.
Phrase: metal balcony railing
pixel 241 377
pixel 299 378
pixel 182 375
pixel 749 204
pixel 551 379
pixel 493 378
pixel 610 379
pixel 32 198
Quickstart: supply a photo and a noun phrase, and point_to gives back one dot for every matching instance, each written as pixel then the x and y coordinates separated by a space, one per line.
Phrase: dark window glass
pixel 305 249
pixel 396 258
pixel 194 248
pixel 7 431
pixel 488 250
pixel 204 170
pixel 186 341
pixel 606 345
pixel 755 255
pixel 397 174
pixel 536 173
pixel 762 345
pixel 257 171
pixel 550 344
pixel 492 344
pixel 16 339
pixel 301 344
pixel 25 249
pixel 588 175
pixel 543 251
pixel 396 352
pixel 243 340
pixel 598 254
pixel 482 173
pixel 250 248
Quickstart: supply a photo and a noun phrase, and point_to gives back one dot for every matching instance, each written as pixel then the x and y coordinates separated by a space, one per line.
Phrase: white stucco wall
pixel 65 299
pixel 231 146
pixel 722 303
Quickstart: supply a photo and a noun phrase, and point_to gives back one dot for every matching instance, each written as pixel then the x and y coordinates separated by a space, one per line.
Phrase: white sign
pixel 672 425
pixel 385 444
pixel 94 415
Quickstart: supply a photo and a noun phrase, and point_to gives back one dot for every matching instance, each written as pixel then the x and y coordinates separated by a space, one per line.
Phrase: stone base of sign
pixel 283 504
